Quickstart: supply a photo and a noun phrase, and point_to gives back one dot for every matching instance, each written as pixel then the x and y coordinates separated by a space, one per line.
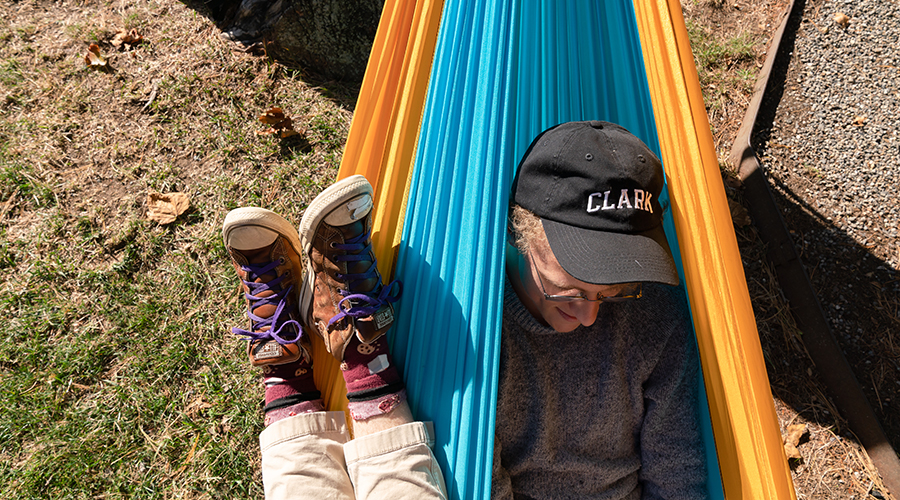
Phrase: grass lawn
pixel 119 375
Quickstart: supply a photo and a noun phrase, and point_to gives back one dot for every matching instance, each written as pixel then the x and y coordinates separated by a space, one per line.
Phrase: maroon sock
pixel 374 386
pixel 290 390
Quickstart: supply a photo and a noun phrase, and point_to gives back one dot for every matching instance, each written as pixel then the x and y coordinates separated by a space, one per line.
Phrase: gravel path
pixel 832 157
pixel 847 140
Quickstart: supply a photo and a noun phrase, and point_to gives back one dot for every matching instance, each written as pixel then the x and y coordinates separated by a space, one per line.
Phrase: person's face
pixel 543 274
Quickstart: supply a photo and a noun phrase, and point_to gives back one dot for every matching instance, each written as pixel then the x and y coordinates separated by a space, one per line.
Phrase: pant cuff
pixel 390 440
pixel 332 424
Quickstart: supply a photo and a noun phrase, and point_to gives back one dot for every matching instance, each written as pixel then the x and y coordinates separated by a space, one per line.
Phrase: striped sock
pixel 374 386
pixel 290 390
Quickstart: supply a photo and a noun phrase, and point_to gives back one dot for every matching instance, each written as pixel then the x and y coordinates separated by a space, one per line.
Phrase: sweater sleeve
pixel 672 453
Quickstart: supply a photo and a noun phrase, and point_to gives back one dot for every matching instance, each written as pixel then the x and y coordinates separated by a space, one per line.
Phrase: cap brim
pixel 602 258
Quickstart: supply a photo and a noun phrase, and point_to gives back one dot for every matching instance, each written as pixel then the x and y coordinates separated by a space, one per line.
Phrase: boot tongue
pixel 263 256
pixel 258 255
pixel 359 267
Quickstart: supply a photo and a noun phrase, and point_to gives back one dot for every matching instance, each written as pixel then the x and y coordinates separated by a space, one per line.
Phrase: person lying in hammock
pixel 598 364
pixel 338 295
pixel 598 373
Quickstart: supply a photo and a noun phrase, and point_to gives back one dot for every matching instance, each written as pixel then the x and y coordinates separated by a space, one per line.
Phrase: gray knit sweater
pixel 602 412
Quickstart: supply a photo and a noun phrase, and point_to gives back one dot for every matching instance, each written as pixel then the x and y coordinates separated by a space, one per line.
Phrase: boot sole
pixel 335 195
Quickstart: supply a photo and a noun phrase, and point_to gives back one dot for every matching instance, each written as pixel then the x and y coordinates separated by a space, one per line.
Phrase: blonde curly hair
pixel 526 230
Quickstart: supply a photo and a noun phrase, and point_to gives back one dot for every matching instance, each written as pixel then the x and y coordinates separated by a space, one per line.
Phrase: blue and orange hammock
pixel 452 96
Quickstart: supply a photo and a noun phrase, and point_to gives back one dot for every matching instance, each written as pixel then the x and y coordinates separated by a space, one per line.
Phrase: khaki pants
pixel 311 456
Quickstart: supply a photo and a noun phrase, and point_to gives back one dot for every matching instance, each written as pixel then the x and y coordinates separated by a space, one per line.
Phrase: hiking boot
pixel 342 294
pixel 264 250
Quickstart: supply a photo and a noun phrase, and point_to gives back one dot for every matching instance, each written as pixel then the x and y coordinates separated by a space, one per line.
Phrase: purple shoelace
pixel 362 304
pixel 275 323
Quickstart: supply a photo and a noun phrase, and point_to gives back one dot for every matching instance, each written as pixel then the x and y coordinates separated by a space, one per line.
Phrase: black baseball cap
pixel 596 188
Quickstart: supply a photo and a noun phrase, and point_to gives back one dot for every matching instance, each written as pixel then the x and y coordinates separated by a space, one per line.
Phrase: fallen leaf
pixel 739 214
pixel 281 124
pixel 842 20
pixel 93 57
pixel 288 129
pixel 126 37
pixel 859 121
pixel 792 439
pixel 197 405
pixel 272 116
pixel 165 208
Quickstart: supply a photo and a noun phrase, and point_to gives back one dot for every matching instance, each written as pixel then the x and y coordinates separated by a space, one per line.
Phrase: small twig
pixel 152 95
pixel 150 441
pixel 255 47
pixel 791 421
pixel 190 457
pixel 9 203
pixel 872 377
pixel 818 28
pixel 816 14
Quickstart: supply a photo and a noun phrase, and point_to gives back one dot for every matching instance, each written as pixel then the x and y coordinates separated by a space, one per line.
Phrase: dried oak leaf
pixel 280 124
pixel 127 37
pixel 739 214
pixel 272 116
pixel 842 20
pixel 286 127
pixel 792 439
pixel 94 58
pixel 165 208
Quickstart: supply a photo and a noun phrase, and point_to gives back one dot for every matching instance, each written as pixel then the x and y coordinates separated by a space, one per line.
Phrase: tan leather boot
pixel 264 250
pixel 342 294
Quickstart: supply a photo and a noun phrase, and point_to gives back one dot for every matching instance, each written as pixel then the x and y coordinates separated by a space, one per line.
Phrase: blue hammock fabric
pixel 503 72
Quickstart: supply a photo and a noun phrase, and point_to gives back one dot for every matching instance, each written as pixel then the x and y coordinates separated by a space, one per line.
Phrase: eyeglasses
pixel 630 291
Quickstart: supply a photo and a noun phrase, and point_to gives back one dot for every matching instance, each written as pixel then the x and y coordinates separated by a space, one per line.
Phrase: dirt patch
pixel 730 39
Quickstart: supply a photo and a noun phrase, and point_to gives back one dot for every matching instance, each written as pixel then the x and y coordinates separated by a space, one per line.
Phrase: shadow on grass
pixel 293 145
pixel 859 296
pixel 222 13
